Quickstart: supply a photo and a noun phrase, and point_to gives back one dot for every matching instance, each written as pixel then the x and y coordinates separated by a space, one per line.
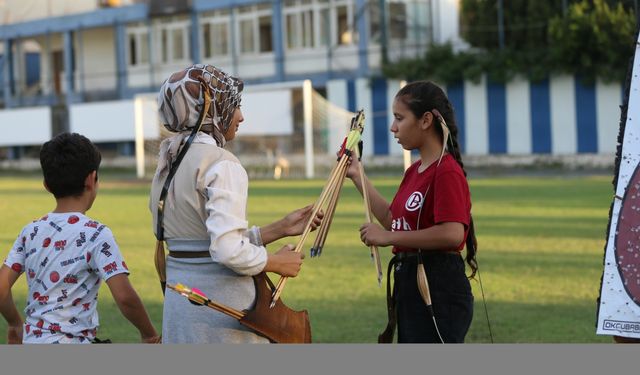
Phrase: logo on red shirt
pixel 414 201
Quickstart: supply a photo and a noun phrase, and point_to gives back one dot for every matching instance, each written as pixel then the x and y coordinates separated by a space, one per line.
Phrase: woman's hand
pixel 285 262
pixel 374 235
pixel 295 222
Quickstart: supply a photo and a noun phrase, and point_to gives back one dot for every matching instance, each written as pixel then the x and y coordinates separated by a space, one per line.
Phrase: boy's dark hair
pixel 66 161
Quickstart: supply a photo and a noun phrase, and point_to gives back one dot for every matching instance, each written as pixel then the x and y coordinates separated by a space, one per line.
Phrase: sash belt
pixel 189 254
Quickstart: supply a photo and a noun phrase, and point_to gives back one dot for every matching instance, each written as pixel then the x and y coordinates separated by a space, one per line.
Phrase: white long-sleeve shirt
pixel 207 201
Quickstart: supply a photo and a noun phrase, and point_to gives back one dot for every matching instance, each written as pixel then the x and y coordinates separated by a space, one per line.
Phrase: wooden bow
pixel 279 324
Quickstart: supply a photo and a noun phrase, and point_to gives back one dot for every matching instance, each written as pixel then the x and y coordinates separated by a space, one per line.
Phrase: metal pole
pixel 139 135
pixel 307 91
pixel 500 24
pixel 383 32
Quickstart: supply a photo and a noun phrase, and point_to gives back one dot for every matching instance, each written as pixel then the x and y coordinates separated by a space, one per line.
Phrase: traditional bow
pixel 280 324
pixel 421 274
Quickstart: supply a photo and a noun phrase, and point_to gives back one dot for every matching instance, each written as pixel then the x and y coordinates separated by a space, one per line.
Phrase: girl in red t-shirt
pixel 428 222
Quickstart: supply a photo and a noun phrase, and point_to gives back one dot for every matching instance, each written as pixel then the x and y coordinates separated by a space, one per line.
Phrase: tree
pixel 525 22
pixel 593 40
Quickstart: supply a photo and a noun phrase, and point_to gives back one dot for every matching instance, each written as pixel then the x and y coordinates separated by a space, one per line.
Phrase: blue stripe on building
pixel 540 104
pixel 587 131
pixel 497 117
pixel 351 95
pixel 455 92
pixel 380 128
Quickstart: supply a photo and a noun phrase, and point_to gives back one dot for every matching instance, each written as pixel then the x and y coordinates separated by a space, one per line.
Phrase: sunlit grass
pixel 541 243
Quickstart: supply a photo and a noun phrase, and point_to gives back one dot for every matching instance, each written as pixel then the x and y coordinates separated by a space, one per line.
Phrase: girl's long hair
pixel 425 96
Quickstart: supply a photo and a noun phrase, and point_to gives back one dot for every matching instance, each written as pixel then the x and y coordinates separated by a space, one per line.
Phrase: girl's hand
pixel 374 235
pixel 152 340
pixel 353 167
pixel 295 222
pixel 14 334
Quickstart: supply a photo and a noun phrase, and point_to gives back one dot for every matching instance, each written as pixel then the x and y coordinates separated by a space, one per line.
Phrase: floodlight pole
pixel 500 24
pixel 139 134
pixel 307 102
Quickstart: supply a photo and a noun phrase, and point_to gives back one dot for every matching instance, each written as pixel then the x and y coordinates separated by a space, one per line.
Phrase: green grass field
pixel 541 243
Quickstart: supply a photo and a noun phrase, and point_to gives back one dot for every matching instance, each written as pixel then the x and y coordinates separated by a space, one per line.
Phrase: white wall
pixel 267 113
pixel 111 121
pixel 477 118
pixel 392 89
pixel 563 116
pixel 98 59
pixel 14 11
pixel 25 127
pixel 608 99
pixel 518 124
pixel 316 61
pixel 363 101
pixel 445 18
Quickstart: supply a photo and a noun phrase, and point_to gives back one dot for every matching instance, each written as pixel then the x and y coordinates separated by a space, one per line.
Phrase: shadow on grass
pixel 361 320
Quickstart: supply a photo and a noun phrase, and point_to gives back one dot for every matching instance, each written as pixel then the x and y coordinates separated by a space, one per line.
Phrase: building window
pixel 343 29
pixel 324 26
pixel 397 20
pixel 406 21
pixel 215 33
pixel 375 33
pixel 247 36
pixel 300 23
pixel 138 45
pixel 319 23
pixel 254 27
pixel 173 40
pixel 265 31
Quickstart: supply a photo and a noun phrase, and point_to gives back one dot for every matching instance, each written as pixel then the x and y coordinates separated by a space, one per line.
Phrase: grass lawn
pixel 541 242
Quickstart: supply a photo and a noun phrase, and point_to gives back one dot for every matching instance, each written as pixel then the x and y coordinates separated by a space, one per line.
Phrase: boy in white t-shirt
pixel 66 255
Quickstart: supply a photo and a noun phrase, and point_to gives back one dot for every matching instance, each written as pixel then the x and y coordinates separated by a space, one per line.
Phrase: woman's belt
pixel 187 248
pixel 189 254
pixel 412 256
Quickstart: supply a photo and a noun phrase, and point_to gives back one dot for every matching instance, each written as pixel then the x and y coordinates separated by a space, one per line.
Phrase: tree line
pixel 593 39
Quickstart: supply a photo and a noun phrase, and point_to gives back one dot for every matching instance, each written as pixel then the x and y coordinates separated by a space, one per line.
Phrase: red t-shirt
pixel 447 200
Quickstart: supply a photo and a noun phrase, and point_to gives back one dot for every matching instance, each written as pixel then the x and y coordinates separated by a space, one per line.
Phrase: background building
pixel 80 65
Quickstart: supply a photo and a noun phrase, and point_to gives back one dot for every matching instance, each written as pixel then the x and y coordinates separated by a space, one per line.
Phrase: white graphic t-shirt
pixel 65 257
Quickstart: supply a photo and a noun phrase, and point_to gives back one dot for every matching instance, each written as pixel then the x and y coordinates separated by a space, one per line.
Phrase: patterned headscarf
pixel 181 97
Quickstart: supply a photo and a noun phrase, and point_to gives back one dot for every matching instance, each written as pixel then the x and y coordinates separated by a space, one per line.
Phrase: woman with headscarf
pixel 202 213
